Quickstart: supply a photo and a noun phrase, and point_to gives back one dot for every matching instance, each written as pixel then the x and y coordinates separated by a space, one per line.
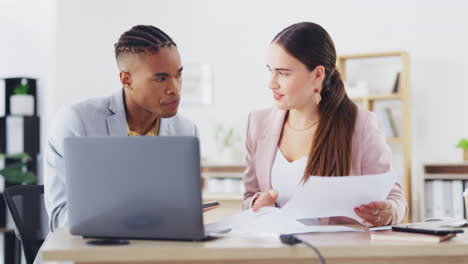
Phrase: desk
pixel 350 248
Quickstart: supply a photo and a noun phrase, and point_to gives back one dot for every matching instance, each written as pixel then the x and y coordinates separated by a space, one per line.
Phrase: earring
pixel 318 98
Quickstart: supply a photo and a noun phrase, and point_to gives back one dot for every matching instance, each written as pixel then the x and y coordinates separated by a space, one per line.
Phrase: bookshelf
pixel 443 186
pixel 19 132
pixel 403 96
pixel 223 184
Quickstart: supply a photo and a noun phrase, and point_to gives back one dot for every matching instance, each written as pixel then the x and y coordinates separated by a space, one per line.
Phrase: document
pixel 318 197
pixel 338 196
pixel 266 222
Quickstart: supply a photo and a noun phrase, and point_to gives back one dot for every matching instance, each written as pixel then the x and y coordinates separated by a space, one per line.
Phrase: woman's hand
pixel 265 199
pixel 376 213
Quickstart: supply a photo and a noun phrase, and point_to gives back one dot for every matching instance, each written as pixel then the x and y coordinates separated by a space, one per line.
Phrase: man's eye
pixel 283 74
pixel 179 75
pixel 161 79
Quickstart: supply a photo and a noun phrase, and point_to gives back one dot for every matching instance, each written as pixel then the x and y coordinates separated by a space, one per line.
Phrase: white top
pixel 286 177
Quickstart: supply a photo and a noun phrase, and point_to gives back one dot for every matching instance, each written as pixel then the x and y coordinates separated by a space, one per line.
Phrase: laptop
pixel 134 187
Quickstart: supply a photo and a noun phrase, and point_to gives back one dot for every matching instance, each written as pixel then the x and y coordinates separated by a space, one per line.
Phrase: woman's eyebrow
pixel 279 69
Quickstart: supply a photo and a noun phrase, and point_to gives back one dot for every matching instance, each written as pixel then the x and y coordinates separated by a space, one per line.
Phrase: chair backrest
pixel 26 205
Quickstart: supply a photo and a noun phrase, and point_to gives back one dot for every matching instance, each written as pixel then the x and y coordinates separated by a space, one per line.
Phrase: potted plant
pixel 15 172
pixel 227 139
pixel 22 103
pixel 463 143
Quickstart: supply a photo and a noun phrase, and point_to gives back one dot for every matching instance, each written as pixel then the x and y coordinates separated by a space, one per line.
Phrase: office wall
pixel 233 37
pixel 27 48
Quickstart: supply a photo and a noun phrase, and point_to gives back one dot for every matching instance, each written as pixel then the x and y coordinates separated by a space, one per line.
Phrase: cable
pixel 292 240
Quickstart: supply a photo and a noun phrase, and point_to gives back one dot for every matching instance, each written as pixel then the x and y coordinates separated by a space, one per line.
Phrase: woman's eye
pixel 283 74
pixel 179 75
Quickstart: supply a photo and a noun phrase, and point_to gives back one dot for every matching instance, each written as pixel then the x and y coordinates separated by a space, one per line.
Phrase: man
pixel 151 76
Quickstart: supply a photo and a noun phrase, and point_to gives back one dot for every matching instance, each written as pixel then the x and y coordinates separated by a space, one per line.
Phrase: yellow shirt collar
pixel 154 131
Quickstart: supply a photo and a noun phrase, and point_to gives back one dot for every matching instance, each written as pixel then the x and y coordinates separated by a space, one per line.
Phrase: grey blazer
pixel 103 116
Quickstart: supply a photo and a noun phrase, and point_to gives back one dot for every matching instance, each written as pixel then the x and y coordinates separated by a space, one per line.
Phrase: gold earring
pixel 318 98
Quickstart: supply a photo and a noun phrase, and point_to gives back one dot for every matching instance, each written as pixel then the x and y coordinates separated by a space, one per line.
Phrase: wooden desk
pixel 347 248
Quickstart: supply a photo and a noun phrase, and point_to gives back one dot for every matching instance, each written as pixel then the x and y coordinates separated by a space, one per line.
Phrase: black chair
pixel 26 203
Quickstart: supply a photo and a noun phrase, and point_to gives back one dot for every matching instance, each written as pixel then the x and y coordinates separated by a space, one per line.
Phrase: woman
pixel 315 129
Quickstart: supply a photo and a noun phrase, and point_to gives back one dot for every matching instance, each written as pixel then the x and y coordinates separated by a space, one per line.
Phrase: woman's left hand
pixel 376 213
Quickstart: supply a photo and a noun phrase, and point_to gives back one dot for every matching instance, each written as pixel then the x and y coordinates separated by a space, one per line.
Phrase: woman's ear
pixel 125 79
pixel 318 74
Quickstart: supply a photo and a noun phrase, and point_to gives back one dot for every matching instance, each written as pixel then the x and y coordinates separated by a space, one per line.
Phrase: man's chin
pixel 169 114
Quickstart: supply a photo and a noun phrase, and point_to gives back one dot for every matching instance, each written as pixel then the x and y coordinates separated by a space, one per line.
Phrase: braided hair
pixel 140 39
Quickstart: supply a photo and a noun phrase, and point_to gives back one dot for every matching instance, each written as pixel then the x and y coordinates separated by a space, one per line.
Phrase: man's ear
pixel 126 79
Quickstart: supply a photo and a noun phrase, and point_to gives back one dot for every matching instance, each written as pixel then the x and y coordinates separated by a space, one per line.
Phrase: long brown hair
pixel 330 154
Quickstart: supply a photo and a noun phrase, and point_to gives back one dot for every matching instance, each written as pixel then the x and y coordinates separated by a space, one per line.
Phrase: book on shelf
pixel 429 207
pixel 438 198
pixel 396 84
pixel 387 122
pixel 390 235
pixel 391 119
pixel 444 198
pixel 447 198
pixel 457 199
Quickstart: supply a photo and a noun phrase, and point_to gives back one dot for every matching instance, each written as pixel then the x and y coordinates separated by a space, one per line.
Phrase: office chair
pixel 25 203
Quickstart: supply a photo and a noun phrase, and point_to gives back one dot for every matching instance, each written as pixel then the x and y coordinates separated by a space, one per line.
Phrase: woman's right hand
pixel 265 199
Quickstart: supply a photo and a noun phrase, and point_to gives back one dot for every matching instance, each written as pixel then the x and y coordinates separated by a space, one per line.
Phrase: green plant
pixel 225 137
pixel 22 88
pixel 17 172
pixel 463 143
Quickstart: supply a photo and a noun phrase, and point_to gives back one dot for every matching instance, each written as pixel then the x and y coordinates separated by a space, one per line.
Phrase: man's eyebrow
pixel 161 74
pixel 165 74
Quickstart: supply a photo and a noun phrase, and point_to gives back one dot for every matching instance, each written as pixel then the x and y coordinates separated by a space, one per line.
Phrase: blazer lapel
pixel 117 123
pixel 166 127
pixel 267 147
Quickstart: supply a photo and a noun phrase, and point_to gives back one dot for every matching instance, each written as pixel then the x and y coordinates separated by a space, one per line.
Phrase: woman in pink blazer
pixel 315 129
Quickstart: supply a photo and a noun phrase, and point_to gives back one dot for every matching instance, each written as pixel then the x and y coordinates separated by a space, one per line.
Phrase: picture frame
pixel 197 85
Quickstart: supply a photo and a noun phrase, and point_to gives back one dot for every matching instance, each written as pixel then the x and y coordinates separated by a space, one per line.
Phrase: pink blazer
pixel 370 155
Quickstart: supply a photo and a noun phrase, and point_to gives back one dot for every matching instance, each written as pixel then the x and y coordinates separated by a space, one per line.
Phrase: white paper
pixel 268 221
pixel 338 196
pixel 318 197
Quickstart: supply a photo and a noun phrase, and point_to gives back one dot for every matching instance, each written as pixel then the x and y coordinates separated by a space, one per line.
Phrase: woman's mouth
pixel 277 96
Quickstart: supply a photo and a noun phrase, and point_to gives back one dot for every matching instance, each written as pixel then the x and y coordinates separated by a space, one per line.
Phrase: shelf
pixel 403 97
pixel 221 168
pixel 453 168
pixel 224 175
pixel 222 197
pixel 446 177
pixel 377 97
pixel 373 55
pixel 395 140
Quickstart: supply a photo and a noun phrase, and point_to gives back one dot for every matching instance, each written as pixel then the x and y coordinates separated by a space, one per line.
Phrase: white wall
pixel 233 37
pixel 27 48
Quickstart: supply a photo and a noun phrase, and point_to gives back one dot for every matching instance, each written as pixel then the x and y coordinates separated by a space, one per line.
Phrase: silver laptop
pixel 134 187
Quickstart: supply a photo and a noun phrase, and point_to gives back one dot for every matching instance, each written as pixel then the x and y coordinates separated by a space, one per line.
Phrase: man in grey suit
pixel 151 75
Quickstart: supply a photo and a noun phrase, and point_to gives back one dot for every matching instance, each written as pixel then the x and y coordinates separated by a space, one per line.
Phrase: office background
pixel 68 46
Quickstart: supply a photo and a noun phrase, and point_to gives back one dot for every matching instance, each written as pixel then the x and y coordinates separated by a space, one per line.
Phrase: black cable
pixel 292 240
